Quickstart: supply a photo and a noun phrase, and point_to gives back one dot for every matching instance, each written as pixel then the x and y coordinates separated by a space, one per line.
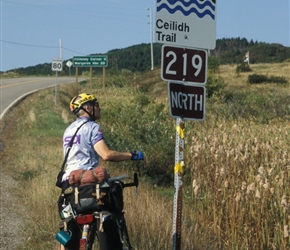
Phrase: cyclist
pixel 88 145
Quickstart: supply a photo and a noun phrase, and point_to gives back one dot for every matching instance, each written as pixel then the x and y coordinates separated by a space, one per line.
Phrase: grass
pixel 235 192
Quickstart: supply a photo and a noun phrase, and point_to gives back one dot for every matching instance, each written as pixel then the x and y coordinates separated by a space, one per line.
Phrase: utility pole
pixel 60 49
pixel 151 38
pixel 56 72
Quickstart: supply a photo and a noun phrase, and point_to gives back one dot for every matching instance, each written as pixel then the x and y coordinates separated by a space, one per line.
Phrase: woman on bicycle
pixel 88 145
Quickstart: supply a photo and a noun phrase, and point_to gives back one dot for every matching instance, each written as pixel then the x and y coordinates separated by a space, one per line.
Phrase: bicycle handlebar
pixel 122 177
pixel 117 178
pixel 134 183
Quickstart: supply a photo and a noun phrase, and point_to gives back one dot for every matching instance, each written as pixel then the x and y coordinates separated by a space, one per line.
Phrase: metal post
pixel 151 39
pixel 55 89
pixel 91 78
pixel 104 77
pixel 178 173
pixel 77 77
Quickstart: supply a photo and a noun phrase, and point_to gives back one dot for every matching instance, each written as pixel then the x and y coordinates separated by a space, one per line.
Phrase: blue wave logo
pixel 201 8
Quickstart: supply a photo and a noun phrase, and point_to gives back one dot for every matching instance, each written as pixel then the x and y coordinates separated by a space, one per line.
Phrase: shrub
pixel 255 79
pixel 261 105
pixel 243 67
pixel 278 79
pixel 213 64
pixel 214 86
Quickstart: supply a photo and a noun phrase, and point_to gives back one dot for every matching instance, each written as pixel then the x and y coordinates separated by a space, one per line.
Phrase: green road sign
pixel 90 61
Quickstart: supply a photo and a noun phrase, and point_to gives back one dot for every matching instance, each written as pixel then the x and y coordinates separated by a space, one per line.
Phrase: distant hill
pixel 233 50
pixel 138 57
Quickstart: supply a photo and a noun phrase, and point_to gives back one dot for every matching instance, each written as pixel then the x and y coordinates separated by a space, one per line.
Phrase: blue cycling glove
pixel 137 156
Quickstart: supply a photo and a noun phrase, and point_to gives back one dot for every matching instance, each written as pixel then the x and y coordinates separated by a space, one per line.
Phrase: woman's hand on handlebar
pixel 137 156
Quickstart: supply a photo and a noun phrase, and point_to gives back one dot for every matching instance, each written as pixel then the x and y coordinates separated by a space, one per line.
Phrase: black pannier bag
pixel 116 194
pixel 96 197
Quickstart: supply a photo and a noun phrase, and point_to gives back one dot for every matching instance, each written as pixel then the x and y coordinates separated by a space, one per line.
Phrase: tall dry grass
pixel 240 179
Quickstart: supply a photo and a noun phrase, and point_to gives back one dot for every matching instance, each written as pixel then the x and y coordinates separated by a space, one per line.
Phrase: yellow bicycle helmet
pixel 78 101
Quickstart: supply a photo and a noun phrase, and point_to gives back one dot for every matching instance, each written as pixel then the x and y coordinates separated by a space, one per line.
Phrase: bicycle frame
pixel 84 220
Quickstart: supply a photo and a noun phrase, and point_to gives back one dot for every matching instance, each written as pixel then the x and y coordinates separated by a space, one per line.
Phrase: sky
pixel 31 31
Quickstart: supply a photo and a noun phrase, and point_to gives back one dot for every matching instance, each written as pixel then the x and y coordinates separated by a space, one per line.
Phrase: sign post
pixel 57 67
pixel 186 103
pixel 91 61
pixel 69 64
pixel 178 173
pixel 190 24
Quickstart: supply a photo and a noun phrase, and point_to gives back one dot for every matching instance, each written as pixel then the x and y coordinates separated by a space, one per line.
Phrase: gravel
pixel 11 210
pixel 11 214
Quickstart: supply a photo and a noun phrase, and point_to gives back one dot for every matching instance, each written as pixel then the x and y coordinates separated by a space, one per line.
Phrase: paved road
pixel 14 89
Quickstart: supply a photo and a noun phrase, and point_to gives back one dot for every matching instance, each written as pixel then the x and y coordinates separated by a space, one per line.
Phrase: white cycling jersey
pixel 82 154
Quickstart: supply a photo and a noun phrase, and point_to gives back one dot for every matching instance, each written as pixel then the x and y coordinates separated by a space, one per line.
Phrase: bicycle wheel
pixel 109 238
pixel 91 237
pixel 124 231
pixel 76 233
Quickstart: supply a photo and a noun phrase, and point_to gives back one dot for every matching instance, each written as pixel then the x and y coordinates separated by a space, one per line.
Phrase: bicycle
pixel 107 224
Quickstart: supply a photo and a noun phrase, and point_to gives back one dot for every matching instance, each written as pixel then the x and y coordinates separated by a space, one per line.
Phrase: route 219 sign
pixel 184 64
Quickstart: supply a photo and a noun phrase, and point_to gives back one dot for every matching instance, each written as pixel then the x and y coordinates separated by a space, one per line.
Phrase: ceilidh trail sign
pixel 186 23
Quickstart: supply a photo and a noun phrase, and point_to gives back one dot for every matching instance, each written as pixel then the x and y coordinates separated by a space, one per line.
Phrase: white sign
pixel 190 23
pixel 56 64
pixel 69 64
